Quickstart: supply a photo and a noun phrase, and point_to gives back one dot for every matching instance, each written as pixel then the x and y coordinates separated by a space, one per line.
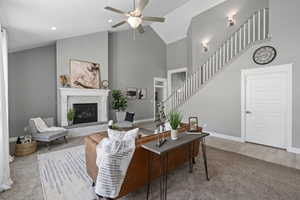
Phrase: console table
pixel 163 151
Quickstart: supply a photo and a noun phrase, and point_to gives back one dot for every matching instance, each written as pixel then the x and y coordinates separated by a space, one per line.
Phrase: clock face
pixel 264 55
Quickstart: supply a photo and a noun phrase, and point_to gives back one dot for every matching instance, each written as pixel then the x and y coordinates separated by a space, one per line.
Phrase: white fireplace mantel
pixel 65 94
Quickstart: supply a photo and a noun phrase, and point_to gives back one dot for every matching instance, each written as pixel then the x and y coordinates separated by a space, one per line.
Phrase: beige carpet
pixel 233 176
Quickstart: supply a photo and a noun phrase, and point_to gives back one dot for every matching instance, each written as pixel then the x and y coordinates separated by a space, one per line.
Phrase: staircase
pixel 255 29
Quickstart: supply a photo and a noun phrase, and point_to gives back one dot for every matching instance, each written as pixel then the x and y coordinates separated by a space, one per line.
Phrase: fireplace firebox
pixel 85 113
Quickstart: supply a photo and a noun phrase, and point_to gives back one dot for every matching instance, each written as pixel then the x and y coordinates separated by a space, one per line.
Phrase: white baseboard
pixel 143 120
pixel 294 150
pixel 238 139
pixel 223 136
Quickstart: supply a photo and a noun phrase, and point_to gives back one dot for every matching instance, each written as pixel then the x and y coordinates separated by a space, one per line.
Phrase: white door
pixel 267 102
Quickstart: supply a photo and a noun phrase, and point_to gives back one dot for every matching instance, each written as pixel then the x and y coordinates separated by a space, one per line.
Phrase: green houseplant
pixel 174 119
pixel 119 104
pixel 70 116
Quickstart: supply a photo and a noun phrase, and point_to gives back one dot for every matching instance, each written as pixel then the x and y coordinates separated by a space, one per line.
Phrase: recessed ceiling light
pixel 110 21
pixel 53 28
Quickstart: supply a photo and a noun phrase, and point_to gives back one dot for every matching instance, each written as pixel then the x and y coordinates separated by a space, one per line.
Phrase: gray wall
pixel 218 104
pixel 177 54
pixel 211 25
pixel 31 86
pixel 285 32
pixel 92 48
pixel 134 63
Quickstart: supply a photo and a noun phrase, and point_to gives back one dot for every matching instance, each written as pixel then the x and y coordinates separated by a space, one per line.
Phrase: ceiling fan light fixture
pixel 134 21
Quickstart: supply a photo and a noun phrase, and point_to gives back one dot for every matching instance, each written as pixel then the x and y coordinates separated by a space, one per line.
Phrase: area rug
pixel 63 175
pixel 232 176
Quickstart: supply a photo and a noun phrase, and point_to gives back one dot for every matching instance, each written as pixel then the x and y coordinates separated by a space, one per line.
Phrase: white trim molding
pixel 164 88
pixel 223 136
pixel 287 68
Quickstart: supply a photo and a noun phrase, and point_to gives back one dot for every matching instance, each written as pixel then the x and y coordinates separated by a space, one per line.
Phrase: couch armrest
pixel 91 156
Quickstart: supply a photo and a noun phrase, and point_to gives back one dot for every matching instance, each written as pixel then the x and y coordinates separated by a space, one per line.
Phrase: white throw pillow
pixel 122 135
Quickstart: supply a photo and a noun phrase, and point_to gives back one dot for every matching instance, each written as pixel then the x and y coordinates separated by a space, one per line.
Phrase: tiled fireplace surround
pixel 69 96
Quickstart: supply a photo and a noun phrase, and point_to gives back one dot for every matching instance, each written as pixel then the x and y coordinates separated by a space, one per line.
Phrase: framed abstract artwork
pixel 142 93
pixel 131 93
pixel 84 74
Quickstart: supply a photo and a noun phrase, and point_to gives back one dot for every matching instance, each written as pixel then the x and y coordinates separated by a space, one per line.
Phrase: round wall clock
pixel 264 55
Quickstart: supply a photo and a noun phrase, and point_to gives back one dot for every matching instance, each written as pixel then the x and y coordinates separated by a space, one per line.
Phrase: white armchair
pixel 47 136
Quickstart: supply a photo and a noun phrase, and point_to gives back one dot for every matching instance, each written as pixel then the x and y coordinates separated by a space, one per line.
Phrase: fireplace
pixel 67 97
pixel 85 112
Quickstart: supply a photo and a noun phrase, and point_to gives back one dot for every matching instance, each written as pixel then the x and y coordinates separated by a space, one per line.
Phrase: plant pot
pixel 120 116
pixel 70 122
pixel 174 134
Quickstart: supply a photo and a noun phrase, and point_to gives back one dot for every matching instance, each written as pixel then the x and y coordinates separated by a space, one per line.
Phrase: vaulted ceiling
pixel 29 22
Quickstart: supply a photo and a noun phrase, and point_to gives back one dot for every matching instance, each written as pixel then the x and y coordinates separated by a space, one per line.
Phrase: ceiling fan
pixel 135 17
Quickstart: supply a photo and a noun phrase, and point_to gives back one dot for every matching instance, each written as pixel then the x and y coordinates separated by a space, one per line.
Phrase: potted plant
pixel 174 119
pixel 119 103
pixel 70 116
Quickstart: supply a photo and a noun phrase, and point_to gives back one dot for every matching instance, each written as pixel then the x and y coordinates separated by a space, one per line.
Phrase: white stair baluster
pixel 259 26
pixel 245 35
pixel 254 27
pixel 249 31
pixel 240 39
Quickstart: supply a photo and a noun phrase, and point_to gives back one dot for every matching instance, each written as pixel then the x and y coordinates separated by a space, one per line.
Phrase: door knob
pixel 248 112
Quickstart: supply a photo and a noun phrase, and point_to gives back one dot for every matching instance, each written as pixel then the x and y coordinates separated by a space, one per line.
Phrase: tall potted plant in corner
pixel 119 104
pixel 174 119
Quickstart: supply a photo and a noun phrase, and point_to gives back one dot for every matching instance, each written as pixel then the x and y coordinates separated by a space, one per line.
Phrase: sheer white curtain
pixel 5 181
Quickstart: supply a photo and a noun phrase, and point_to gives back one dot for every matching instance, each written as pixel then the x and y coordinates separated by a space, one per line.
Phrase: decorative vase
pixel 120 116
pixel 174 134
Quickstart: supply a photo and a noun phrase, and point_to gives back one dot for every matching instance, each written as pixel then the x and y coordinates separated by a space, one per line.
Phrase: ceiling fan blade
pixel 119 24
pixel 154 19
pixel 141 29
pixel 115 10
pixel 142 4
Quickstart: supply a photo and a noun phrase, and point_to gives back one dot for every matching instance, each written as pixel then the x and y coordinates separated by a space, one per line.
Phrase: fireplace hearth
pixel 85 113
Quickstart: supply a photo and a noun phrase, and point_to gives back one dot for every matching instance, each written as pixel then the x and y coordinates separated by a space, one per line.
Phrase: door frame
pixel 164 80
pixel 174 71
pixel 286 68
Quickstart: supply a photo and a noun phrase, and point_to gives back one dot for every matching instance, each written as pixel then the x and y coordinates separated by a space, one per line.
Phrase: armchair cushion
pixel 49 136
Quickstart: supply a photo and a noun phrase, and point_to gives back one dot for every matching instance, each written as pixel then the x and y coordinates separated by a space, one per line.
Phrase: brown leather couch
pixel 137 173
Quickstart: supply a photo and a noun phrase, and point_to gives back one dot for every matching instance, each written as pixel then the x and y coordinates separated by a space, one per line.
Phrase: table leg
pixel 149 173
pixel 190 158
pixel 193 153
pixel 166 174
pixel 204 157
pixel 161 193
